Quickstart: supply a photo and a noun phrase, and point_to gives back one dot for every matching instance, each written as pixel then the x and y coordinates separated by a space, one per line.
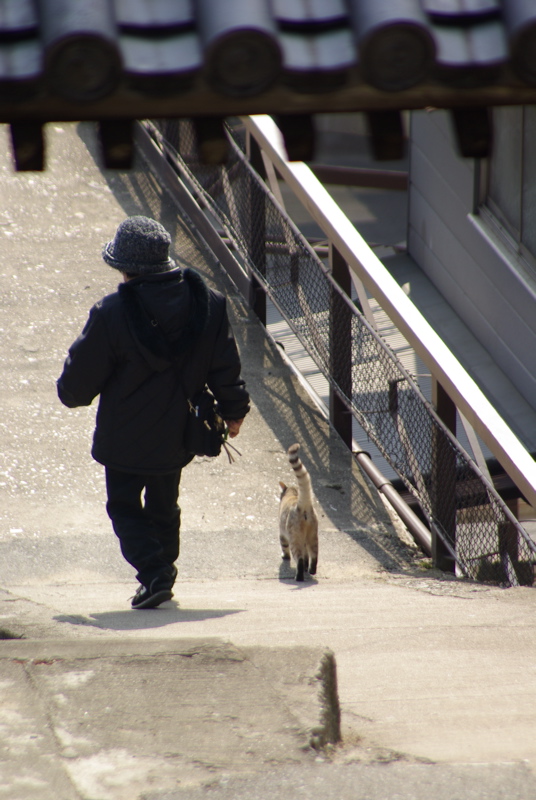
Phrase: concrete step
pixel 113 718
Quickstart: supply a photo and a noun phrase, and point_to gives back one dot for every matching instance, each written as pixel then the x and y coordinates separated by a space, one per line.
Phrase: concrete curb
pixel 87 712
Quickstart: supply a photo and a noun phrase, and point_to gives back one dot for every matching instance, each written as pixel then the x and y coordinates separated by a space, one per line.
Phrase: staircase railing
pixel 471 526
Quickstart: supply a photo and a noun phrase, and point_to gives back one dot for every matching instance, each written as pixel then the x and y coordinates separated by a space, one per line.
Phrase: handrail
pixel 470 523
pixel 365 266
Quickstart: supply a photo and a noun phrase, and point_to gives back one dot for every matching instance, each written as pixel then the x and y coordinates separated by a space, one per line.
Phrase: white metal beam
pixel 368 268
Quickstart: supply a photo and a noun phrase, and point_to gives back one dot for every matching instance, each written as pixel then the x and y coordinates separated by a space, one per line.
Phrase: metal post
pixel 340 348
pixel 257 231
pixel 443 493
pixel 28 146
pixel 117 143
pixel 515 572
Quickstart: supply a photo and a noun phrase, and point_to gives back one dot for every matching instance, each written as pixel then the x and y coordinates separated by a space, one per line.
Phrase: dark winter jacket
pixel 143 348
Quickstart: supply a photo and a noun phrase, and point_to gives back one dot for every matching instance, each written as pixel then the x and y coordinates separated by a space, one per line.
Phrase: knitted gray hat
pixel 139 247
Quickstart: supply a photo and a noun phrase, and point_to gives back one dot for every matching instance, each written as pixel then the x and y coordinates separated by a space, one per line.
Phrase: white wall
pixel 462 258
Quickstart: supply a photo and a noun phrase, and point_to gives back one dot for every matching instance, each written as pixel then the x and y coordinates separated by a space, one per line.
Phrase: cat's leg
pixel 297 548
pixel 283 541
pixel 312 548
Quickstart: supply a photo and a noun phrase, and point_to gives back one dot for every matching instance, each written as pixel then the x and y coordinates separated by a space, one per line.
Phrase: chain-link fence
pixel 460 504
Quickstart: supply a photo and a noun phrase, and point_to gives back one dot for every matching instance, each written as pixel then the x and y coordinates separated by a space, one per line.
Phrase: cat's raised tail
pixel 298 523
pixel 305 488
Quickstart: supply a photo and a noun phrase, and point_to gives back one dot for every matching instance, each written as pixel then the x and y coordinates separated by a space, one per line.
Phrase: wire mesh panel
pixel 461 505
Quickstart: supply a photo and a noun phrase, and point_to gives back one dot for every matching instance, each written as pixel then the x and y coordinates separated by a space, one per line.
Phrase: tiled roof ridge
pixel 394 41
pixel 132 59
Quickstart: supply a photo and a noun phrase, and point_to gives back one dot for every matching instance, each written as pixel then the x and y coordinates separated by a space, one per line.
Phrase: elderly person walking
pixel 144 349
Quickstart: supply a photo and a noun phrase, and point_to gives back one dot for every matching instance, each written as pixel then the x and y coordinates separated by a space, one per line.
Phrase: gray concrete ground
pixel 217 694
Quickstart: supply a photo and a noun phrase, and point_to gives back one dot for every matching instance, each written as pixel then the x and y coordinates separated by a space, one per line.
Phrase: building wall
pixel 481 279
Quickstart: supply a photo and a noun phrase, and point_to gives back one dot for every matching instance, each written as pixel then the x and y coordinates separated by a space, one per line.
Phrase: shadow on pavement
pixel 142 620
pixel 287 573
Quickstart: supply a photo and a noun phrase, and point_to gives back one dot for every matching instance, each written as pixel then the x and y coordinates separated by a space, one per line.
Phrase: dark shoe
pixel 152 597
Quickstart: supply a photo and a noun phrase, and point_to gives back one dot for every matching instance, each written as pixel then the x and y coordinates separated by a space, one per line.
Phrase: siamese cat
pixel 298 523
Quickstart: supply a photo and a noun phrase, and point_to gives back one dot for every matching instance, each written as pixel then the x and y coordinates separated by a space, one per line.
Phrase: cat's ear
pixel 283 486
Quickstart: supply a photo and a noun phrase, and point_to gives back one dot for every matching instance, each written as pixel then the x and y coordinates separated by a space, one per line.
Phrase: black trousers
pixel 148 531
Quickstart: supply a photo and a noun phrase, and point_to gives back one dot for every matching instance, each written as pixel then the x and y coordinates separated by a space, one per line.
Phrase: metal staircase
pixel 469 529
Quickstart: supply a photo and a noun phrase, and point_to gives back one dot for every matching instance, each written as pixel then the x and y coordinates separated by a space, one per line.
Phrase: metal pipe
pixel 418 530
pixel 359 176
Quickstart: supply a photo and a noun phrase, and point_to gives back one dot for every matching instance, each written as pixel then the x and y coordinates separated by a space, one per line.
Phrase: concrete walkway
pixel 218 693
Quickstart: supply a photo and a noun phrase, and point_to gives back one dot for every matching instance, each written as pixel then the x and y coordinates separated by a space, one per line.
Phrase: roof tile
pixel 396 46
pixel 260 56
pixel 150 18
pixel 310 14
pixel 18 18
pixel 162 66
pixel 241 47
pixel 20 62
pixel 461 11
pixel 471 58
pixel 318 63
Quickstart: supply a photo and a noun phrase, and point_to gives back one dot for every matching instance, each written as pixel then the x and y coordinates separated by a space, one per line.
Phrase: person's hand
pixel 234 426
